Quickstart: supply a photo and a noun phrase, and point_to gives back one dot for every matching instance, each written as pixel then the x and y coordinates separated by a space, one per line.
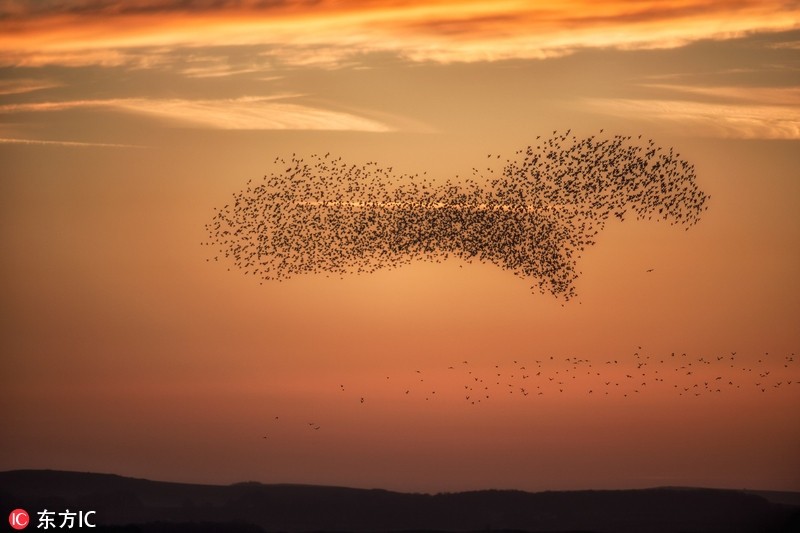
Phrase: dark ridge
pixel 139 505
pixel 775 496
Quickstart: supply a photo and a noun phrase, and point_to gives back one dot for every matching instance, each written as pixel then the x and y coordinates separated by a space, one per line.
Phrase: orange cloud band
pixel 444 31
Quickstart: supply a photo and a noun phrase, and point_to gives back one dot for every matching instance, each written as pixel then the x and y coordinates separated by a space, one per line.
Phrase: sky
pixel 126 348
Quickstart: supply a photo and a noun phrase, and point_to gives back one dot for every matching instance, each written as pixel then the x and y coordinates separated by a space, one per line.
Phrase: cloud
pixel 67 143
pixel 216 71
pixel 790 45
pixel 21 86
pixel 26 8
pixel 108 33
pixel 245 113
pixel 782 96
pixel 743 120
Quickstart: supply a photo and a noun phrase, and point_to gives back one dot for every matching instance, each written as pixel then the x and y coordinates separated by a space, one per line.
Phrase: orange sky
pixel 123 125
pixel 98 32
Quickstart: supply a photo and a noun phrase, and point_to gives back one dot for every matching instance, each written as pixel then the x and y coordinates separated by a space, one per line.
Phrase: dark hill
pixel 138 505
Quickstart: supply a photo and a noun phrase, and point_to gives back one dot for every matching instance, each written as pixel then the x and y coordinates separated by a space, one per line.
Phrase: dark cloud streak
pixel 22 9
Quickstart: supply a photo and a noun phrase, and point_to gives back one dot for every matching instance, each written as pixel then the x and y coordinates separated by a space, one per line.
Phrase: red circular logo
pixel 18 519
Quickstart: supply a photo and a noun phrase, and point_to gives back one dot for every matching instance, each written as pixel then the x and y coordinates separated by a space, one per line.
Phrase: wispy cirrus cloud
pixel 780 96
pixel 216 71
pixel 732 112
pixel 103 32
pixel 244 113
pixel 790 45
pixel 72 144
pixel 21 86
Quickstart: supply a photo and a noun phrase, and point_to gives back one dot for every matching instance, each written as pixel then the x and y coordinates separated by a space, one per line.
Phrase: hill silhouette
pixel 139 505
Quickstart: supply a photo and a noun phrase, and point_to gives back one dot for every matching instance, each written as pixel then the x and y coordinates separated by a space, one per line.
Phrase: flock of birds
pixel 624 377
pixel 677 373
pixel 533 217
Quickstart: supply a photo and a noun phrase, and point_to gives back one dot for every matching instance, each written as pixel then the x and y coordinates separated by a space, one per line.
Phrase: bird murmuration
pixel 533 217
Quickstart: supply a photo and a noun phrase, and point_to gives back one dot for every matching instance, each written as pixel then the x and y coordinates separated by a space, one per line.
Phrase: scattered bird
pixel 642 372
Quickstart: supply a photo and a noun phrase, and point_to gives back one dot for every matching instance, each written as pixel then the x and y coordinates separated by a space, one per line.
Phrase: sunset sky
pixel 123 125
